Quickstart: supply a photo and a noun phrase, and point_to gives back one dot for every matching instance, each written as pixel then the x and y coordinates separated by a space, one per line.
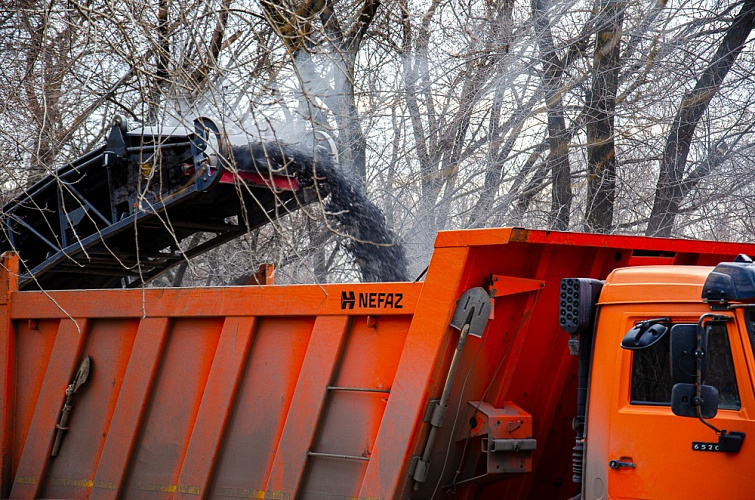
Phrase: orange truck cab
pixel 657 424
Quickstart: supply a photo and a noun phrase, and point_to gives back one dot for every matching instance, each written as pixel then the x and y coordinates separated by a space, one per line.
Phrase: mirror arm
pixel 699 354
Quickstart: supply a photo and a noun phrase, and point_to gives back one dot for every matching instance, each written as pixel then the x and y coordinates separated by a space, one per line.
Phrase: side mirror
pixel 645 334
pixel 682 353
pixel 684 400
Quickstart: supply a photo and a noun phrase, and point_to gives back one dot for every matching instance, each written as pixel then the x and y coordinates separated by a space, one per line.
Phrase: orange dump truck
pixel 526 360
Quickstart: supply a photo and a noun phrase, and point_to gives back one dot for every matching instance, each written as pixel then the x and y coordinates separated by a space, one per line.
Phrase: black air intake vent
pixel 577 303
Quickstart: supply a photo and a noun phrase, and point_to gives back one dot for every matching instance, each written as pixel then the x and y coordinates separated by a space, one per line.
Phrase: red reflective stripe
pixel 274 181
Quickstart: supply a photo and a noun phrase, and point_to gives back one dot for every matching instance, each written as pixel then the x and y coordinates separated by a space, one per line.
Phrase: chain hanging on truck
pixel 78 381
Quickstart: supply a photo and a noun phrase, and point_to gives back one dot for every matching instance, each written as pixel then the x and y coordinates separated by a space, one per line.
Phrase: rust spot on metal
pixel 519 234
pixel 72 483
pixel 256 494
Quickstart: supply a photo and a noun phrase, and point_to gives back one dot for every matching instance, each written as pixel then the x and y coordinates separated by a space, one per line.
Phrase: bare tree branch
pixel 669 191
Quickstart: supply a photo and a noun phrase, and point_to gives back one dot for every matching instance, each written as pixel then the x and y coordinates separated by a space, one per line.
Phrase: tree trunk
pixel 417 83
pixel 352 144
pixel 601 109
pixel 501 26
pixel 558 137
pixel 669 188
pixel 162 56
pixel 45 65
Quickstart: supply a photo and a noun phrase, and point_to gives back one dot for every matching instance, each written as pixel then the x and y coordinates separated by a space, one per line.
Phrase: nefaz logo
pixel 347 300
pixel 372 300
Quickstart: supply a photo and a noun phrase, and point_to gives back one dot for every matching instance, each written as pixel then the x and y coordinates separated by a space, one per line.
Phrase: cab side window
pixel 721 367
pixel 651 373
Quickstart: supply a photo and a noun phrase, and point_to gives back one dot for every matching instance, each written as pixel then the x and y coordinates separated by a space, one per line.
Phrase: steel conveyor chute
pixel 117 216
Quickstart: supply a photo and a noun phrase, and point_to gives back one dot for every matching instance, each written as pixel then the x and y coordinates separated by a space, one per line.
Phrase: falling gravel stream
pixel 348 210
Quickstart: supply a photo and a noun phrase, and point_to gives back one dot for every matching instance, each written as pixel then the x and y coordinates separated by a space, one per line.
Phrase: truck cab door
pixel 652 453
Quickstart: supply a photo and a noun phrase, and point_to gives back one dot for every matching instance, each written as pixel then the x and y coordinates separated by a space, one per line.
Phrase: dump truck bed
pixel 307 391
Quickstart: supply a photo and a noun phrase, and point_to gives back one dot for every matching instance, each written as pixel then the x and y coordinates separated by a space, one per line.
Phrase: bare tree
pixel 558 157
pixel 670 186
pixel 547 113
pixel 601 109
pixel 295 25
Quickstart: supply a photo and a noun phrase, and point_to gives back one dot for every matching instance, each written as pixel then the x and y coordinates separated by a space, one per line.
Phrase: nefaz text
pixel 372 300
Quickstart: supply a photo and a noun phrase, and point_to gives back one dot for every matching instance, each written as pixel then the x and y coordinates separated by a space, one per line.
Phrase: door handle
pixel 618 464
